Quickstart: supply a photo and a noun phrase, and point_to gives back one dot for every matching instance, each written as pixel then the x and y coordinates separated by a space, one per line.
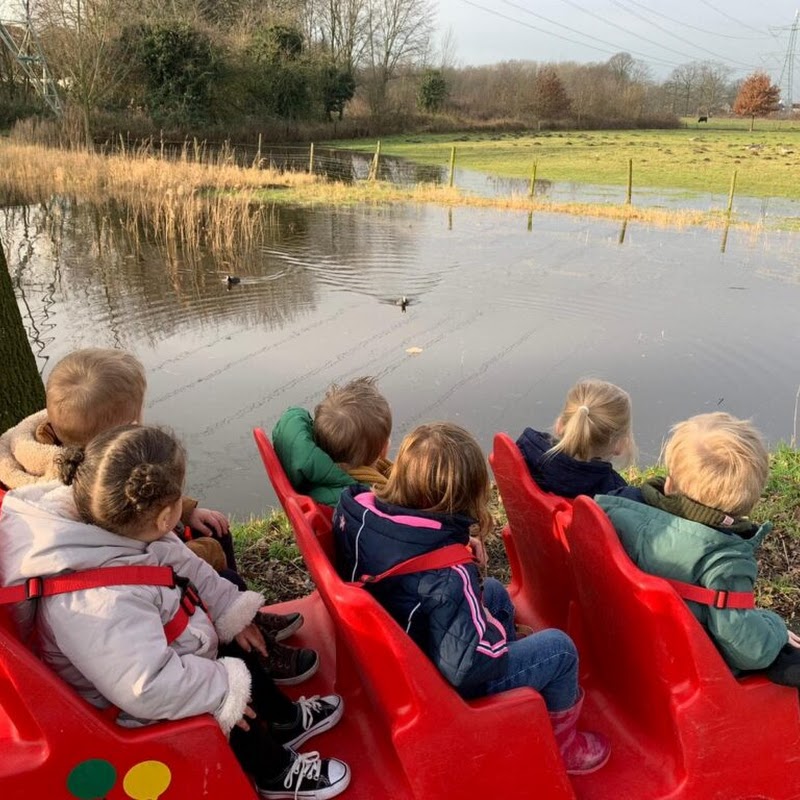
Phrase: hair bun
pixel 68 461
pixel 145 486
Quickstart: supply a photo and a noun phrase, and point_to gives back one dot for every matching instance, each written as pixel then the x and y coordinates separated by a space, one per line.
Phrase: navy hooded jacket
pixel 440 609
pixel 563 475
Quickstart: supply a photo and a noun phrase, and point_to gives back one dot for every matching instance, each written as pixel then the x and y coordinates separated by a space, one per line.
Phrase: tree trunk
pixel 21 388
pixel 752 122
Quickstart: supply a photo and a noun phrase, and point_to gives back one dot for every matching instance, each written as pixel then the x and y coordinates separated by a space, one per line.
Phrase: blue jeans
pixel 546 660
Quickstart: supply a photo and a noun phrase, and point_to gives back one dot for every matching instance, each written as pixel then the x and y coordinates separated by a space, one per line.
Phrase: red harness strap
pixel 112 576
pixel 448 556
pixel 716 598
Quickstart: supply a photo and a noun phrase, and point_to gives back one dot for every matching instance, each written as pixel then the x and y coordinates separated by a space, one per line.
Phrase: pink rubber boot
pixel 583 752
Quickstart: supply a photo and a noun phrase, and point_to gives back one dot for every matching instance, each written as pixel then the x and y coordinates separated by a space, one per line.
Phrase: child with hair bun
pixel 120 645
pixel 593 428
pixel 436 496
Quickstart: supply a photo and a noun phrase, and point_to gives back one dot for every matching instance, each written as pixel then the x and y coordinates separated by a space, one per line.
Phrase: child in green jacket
pixel 345 443
pixel 692 528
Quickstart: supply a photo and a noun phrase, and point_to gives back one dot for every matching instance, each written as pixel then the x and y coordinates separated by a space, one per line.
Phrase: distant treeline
pixel 315 69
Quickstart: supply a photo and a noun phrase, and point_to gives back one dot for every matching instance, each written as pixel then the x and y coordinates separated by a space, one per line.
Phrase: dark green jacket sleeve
pixel 309 468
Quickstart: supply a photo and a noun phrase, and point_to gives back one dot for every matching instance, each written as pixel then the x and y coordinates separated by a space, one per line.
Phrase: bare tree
pixel 342 28
pixel 81 40
pixel 398 32
pixel 713 85
pixel 684 80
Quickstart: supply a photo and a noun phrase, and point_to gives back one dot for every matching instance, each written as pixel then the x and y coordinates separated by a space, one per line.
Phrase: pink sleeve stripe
pixel 367 499
pixel 492 653
pixel 472 602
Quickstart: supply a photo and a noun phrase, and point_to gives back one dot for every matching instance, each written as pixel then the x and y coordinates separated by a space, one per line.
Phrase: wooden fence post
pixel 629 196
pixel 533 180
pixel 452 164
pixel 376 159
pixel 731 193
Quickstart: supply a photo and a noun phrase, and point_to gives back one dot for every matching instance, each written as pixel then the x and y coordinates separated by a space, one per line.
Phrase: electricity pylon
pixel 20 39
pixel 787 72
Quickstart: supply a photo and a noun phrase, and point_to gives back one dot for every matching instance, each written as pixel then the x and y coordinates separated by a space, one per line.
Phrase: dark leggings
pixel 256 749
pixel 785 669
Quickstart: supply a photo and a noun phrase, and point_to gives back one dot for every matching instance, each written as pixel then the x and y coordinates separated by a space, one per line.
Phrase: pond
pixel 507 312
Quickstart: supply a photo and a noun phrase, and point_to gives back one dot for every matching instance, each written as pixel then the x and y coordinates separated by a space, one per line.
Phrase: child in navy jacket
pixel 593 427
pixel 436 496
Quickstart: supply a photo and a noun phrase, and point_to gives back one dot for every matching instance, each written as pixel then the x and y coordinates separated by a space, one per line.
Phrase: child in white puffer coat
pixel 131 644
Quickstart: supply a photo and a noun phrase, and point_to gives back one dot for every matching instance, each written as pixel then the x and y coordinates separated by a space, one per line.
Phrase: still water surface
pixel 506 319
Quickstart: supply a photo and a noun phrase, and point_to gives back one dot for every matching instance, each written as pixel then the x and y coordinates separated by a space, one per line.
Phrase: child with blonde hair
pixel 94 390
pixel 152 649
pixel 345 443
pixel 593 428
pixel 692 528
pixel 436 496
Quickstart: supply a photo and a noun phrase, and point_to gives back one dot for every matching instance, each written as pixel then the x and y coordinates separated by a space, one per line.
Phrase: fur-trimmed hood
pixel 24 457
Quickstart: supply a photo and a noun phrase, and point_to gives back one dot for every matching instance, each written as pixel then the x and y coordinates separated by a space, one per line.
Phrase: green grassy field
pixel 698 157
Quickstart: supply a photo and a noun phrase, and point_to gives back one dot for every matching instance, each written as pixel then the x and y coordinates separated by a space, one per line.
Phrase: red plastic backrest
pixel 536 520
pixel 396 673
pixel 284 489
pixel 645 646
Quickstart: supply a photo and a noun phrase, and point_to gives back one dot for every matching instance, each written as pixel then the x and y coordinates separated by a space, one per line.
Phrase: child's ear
pixel 164 520
pixel 668 486
pixel 558 428
pixel 385 451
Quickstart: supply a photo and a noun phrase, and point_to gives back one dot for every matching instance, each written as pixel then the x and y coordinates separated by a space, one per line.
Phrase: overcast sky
pixel 740 33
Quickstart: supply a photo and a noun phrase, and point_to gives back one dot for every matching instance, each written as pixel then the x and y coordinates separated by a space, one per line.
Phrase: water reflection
pixel 502 318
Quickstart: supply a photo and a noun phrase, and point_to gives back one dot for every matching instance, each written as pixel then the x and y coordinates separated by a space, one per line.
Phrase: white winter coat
pixel 109 643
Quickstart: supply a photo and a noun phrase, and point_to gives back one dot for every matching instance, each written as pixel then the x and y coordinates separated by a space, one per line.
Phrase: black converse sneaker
pixel 314 715
pixel 308 777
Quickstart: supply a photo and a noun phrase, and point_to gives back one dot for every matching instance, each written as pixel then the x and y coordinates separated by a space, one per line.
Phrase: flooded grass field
pixel 504 314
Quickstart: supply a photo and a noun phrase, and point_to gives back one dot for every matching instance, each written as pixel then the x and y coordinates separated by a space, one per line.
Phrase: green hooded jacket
pixel 309 468
pixel 670 546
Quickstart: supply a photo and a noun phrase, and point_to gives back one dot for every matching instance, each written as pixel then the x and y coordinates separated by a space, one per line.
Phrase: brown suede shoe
pixel 278 626
pixel 289 665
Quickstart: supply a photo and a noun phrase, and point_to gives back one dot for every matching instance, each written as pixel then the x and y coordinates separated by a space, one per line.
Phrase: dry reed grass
pixel 199 200
pixel 193 201
pixel 330 193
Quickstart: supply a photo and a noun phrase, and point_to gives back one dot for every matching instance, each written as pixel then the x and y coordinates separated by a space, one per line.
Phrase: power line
pixel 700 30
pixel 728 16
pixel 633 33
pixel 626 30
pixel 614 48
pixel 680 38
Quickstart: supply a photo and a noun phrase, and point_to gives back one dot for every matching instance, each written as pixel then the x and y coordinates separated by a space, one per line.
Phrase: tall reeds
pixel 192 200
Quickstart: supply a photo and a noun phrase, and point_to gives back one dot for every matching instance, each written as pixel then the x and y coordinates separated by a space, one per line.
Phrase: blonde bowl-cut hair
pixel 92 390
pixel 596 420
pixel 125 477
pixel 718 460
pixel 353 423
pixel 440 468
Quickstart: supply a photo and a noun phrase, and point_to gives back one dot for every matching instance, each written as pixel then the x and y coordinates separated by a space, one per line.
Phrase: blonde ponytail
pixel 595 421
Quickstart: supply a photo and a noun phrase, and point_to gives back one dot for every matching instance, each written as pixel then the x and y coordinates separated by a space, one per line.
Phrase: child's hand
pixel 208 522
pixel 794 639
pixel 251 637
pixel 243 723
pixel 479 550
